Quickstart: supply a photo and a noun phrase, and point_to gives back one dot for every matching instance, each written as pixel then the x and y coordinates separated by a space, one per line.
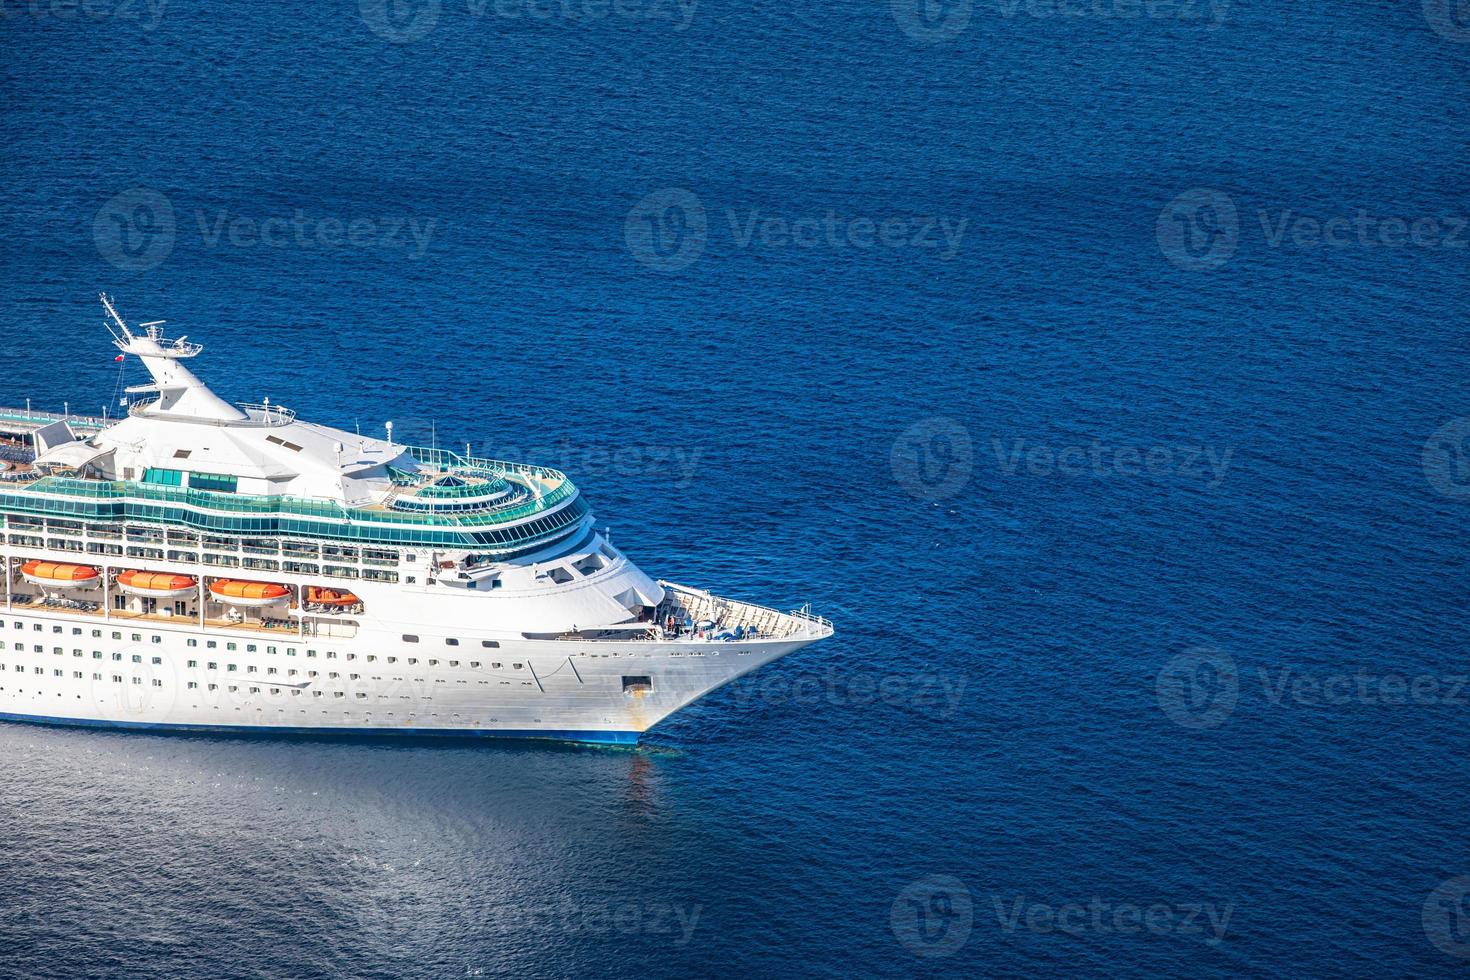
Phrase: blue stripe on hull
pixel 559 734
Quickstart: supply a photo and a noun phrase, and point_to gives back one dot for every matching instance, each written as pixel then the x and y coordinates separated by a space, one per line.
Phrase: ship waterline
pixel 202 566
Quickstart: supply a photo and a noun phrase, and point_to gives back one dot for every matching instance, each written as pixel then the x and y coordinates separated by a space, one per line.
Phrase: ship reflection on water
pixel 417 854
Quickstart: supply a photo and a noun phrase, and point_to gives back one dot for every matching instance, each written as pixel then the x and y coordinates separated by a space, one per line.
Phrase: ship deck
pixel 300 626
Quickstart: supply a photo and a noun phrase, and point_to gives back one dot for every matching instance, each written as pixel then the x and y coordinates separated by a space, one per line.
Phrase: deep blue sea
pixel 1097 366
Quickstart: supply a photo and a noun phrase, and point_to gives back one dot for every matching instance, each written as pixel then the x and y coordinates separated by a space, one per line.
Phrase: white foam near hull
pixel 566 689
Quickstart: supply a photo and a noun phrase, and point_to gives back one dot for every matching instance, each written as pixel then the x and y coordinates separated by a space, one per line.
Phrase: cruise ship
pixel 202 566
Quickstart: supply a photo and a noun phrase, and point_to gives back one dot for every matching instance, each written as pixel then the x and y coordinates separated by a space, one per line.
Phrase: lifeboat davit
pixel 58 573
pixel 236 592
pixel 159 585
pixel 330 597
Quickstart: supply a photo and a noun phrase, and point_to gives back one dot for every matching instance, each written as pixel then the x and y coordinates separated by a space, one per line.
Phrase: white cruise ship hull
pixel 154 678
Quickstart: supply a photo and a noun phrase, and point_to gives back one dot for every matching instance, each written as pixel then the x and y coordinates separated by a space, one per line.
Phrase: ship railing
pixel 295 506
pixel 257 414
pixel 38 416
pixel 269 415
pixel 449 461
pixel 690 607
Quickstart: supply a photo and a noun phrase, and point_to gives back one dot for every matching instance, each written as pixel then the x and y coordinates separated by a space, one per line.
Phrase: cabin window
pixel 492 644
pixel 451 642
pixel 410 638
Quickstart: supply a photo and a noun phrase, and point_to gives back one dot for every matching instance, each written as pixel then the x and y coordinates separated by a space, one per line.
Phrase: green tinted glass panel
pixel 212 481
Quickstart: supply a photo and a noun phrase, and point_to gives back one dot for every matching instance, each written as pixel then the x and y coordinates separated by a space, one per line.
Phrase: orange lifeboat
pixel 236 592
pixel 159 585
pixel 330 597
pixel 58 573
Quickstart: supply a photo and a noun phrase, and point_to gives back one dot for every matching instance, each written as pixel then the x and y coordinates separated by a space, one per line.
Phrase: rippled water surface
pixel 1098 369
